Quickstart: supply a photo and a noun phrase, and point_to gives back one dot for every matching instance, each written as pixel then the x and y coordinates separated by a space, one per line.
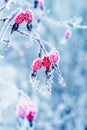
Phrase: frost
pixel 59 108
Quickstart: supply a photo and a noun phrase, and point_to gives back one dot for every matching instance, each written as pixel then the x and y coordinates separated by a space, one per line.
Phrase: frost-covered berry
pixel 28 16
pixel 37 65
pixel 68 34
pixel 46 62
pixel 20 18
pixel 54 56
pixel 31 116
pixel 22 110
pixel 26 109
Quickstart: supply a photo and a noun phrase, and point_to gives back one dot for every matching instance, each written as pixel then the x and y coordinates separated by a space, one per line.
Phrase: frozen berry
pixel 30 116
pixel 20 18
pixel 28 16
pixel 46 62
pixel 37 65
pixel 54 56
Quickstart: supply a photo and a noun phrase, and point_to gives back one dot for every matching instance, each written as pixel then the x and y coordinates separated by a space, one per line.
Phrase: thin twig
pixel 65 24
pixel 2 8
pixel 34 38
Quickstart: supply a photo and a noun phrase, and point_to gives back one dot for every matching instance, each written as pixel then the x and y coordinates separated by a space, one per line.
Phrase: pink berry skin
pixel 54 56
pixel 46 62
pixel 68 34
pixel 22 110
pixel 37 65
pixel 41 2
pixel 28 16
pixel 32 113
pixel 31 116
pixel 20 18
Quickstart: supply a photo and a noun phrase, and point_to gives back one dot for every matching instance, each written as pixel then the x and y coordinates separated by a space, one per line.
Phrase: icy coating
pixel 43 65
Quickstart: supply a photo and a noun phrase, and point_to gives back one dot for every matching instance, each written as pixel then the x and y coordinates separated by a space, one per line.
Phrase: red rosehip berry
pixel 37 64
pixel 20 18
pixel 31 116
pixel 54 56
pixel 28 16
pixel 46 62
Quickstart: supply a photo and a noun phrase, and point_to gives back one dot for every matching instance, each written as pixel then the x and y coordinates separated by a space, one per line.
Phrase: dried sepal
pixel 29 26
pixel 14 27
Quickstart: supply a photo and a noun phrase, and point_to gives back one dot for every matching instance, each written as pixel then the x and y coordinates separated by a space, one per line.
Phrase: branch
pixel 38 40
pixel 2 8
pixel 73 23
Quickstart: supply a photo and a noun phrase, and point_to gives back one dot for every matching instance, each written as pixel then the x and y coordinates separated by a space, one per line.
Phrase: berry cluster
pixel 27 16
pixel 48 61
pixel 27 110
